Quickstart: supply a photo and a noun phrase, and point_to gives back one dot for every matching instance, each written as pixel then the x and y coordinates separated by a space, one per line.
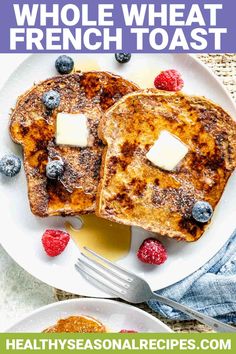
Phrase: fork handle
pixel 207 320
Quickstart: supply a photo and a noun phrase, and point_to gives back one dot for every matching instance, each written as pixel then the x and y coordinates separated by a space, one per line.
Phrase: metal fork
pixel 134 289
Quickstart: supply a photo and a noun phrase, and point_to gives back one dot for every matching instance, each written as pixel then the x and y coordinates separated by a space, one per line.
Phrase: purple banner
pixel 118 26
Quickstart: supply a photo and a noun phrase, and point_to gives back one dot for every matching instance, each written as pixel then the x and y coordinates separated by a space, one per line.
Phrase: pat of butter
pixel 72 129
pixel 167 151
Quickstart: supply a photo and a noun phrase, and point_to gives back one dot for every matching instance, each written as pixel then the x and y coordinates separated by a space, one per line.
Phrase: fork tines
pixel 105 273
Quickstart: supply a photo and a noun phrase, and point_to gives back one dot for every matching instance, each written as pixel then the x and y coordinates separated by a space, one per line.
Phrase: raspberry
pixel 128 331
pixel 152 251
pixel 169 80
pixel 54 242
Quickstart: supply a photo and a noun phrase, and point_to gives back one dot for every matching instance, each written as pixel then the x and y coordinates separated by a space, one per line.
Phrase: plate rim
pixel 80 300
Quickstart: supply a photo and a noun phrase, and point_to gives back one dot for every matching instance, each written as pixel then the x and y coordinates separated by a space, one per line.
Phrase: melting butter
pixel 167 152
pixel 86 65
pixel 72 129
pixel 107 238
pixel 144 77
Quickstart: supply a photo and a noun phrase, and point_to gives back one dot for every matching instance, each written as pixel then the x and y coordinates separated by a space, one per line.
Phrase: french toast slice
pixel 133 191
pixel 33 126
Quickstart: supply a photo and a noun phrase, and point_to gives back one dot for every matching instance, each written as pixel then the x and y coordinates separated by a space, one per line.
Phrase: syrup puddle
pixel 107 238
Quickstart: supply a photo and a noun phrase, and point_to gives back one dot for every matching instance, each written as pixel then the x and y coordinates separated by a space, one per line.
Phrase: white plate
pixel 22 231
pixel 113 314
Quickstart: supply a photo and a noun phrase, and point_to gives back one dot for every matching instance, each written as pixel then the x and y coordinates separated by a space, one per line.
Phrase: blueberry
pixel 10 165
pixel 123 57
pixel 51 99
pixel 64 64
pixel 54 169
pixel 202 211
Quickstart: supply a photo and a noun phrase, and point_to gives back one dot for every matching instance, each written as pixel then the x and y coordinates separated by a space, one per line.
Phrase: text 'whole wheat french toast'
pixel 133 191
pixel 33 126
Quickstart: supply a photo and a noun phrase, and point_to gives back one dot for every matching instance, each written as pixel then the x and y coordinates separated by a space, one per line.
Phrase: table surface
pixel 20 293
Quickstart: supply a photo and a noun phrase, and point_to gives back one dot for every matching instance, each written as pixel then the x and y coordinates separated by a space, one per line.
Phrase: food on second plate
pixel 123 58
pixel 77 324
pixel 160 195
pixel 152 251
pixel 64 64
pixel 56 121
pixel 10 165
pixel 54 242
pixel 169 80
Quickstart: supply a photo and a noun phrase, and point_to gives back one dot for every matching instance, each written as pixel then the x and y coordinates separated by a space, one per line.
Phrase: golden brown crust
pixel 77 324
pixel 33 126
pixel 133 191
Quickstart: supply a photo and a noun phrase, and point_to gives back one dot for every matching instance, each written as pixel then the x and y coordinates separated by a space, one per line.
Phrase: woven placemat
pixel 224 66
